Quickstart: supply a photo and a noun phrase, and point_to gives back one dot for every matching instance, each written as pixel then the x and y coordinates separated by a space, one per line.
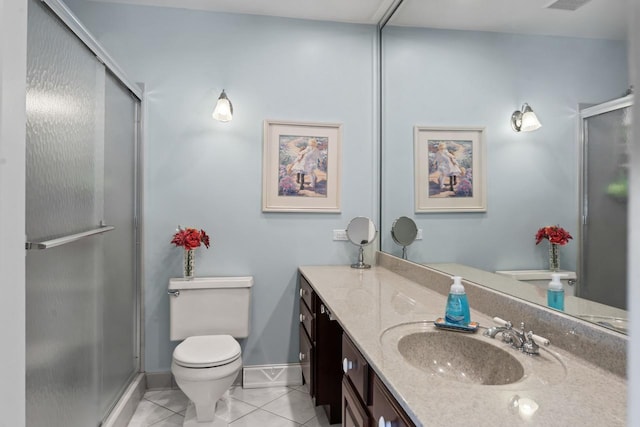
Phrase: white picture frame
pixel 302 164
pixel 450 169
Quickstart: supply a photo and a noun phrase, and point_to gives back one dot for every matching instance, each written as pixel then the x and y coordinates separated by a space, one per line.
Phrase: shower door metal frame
pixel 585 113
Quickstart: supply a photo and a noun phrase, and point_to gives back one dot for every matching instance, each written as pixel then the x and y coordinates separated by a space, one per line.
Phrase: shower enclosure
pixel 605 165
pixel 82 278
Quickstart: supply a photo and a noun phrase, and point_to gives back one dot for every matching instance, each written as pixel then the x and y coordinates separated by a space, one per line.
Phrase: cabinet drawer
pixel 306 292
pixel 385 408
pixel 355 368
pixel 306 356
pixel 354 414
pixel 307 321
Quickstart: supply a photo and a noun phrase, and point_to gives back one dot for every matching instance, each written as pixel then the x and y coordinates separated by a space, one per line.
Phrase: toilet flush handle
pixel 173 293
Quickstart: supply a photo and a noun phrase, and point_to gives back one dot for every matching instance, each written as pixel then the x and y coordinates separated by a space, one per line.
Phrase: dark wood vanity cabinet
pixel 366 401
pixel 355 386
pixel 354 413
pixel 339 377
pixel 385 410
pixel 320 352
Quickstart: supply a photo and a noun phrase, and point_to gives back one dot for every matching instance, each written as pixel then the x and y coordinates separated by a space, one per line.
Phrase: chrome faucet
pixel 518 339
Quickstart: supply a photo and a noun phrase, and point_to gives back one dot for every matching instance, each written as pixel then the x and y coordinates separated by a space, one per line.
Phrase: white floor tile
pixel 283 407
pixel 260 418
pixel 172 421
pixel 321 419
pixel 295 406
pixel 303 388
pixel 230 409
pixel 148 413
pixel 174 400
pixel 258 396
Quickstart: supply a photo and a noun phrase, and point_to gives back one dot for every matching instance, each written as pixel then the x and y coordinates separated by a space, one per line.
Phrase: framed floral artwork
pixel 301 167
pixel 449 169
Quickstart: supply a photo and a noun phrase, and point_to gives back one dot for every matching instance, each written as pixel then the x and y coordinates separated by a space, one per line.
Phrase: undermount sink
pixel 470 358
pixel 460 357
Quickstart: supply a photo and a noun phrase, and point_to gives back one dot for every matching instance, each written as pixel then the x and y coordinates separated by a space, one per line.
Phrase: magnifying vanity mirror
pixel 448 65
pixel 404 232
pixel 361 231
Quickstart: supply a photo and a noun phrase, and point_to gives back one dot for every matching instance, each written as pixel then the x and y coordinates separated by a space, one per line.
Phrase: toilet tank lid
pixel 210 283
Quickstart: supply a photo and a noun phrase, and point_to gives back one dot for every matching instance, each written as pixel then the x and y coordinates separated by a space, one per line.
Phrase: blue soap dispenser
pixel 555 292
pixel 457 312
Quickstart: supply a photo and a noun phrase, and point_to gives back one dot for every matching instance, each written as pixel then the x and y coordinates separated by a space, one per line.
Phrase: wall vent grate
pixel 567 4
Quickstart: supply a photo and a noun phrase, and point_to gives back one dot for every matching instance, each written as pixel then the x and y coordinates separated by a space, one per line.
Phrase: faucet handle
pixel 529 346
pixel 538 339
pixel 501 322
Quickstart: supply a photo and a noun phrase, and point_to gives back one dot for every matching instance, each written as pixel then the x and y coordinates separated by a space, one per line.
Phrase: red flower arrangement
pixel 554 233
pixel 190 238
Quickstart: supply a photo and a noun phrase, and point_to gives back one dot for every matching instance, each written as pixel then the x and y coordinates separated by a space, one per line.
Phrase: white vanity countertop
pixel 369 302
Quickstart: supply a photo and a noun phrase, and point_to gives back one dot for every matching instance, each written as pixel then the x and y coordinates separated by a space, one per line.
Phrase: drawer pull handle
pixel 302 292
pixel 383 423
pixel 301 356
pixel 302 317
pixel 347 365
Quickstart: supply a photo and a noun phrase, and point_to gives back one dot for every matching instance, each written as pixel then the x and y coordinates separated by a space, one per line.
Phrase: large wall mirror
pixel 455 64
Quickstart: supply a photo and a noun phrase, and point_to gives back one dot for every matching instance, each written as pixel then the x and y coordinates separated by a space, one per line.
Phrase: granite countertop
pixel 371 304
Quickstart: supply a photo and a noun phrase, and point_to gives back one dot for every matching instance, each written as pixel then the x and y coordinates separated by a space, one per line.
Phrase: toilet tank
pixel 209 306
pixel 541 278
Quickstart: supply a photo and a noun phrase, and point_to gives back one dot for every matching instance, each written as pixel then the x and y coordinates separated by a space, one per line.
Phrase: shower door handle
pixel 47 244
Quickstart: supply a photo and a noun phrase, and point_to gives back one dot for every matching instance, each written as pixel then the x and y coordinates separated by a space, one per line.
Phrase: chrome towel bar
pixel 67 239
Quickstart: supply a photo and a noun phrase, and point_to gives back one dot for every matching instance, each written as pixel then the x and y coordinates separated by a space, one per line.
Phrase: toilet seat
pixel 206 351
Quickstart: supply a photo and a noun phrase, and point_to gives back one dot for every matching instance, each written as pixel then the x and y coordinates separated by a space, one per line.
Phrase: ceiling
pixel 602 19
pixel 354 11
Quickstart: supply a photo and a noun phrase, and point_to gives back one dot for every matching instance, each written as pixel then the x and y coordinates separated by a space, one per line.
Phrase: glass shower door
pixel 64 163
pixel 119 355
pixel 603 262
pixel 82 314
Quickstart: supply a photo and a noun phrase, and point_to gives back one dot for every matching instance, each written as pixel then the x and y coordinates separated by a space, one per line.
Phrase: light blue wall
pixel 207 174
pixel 460 78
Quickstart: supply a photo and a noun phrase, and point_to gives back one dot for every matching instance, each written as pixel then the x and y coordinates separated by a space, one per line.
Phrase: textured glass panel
pixel 119 355
pixel 65 96
pixel 605 244
pixel 61 129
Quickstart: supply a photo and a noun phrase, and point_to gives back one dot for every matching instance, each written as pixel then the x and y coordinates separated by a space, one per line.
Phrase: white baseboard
pixel 259 376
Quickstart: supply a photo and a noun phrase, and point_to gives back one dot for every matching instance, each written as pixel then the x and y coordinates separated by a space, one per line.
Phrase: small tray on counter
pixel 442 324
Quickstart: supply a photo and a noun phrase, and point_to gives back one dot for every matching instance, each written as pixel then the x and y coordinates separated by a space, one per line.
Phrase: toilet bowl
pixel 204 368
pixel 208 314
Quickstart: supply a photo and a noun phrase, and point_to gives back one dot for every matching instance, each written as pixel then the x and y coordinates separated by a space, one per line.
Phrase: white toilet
pixel 207 313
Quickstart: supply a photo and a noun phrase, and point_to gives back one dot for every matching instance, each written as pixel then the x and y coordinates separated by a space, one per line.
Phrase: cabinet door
pixel 306 292
pixel 385 410
pixel 307 320
pixel 353 412
pixel 306 359
pixel 327 359
pixel 355 368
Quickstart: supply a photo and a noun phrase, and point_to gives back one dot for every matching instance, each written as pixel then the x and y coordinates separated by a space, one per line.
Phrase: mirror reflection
pixel 403 232
pixel 449 65
pixel 361 231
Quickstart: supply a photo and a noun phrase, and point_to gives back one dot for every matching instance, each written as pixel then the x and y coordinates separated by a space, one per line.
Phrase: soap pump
pixel 555 292
pixel 457 311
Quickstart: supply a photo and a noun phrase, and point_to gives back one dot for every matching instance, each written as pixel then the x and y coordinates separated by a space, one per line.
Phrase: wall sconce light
pixel 525 120
pixel 224 109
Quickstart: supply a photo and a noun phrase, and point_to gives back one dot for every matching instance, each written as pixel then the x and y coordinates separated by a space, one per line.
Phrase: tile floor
pixel 257 407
